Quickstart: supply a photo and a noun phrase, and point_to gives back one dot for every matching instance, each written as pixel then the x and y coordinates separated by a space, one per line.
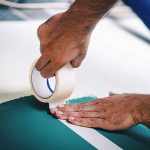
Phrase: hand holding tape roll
pixel 53 90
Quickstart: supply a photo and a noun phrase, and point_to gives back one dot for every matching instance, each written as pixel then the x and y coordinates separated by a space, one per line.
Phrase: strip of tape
pixel 96 139
pixel 53 90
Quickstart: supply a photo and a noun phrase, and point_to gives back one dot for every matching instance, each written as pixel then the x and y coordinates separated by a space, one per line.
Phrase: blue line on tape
pixel 48 85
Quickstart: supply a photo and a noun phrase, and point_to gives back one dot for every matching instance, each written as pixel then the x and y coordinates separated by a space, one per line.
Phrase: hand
pixel 116 112
pixel 62 40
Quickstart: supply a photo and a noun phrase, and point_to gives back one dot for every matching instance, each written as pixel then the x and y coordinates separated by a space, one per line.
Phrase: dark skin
pixel 116 112
pixel 64 38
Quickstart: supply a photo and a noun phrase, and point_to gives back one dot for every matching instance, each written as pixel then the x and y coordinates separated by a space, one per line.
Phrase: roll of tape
pixel 53 90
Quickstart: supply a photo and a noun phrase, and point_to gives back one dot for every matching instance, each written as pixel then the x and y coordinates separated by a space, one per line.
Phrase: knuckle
pixel 60 61
pixel 92 122
pixel 79 120
pixel 78 107
pixel 54 17
pixel 82 114
pixel 57 64
pixel 40 30
pixel 83 53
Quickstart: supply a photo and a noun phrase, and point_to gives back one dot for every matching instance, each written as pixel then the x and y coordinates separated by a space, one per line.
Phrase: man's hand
pixel 65 37
pixel 62 40
pixel 116 112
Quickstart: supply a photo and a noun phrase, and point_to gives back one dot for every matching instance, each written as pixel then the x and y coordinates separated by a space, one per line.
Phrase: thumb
pixel 112 93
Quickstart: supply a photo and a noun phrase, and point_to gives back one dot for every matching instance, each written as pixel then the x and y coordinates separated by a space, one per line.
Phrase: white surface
pixel 116 61
pixel 18 49
pixel 99 141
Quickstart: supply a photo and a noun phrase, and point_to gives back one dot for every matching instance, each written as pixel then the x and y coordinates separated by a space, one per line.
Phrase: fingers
pixel 41 63
pixel 43 33
pixel 48 66
pixel 82 114
pixel 86 119
pixel 108 123
pixel 99 119
pixel 95 123
pixel 78 107
pixel 58 47
pixel 112 93
pixel 110 113
pixel 51 68
pixel 88 122
pixel 77 61
pixel 95 105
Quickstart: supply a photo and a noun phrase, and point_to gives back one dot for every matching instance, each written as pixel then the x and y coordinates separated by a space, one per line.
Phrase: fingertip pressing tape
pixel 55 89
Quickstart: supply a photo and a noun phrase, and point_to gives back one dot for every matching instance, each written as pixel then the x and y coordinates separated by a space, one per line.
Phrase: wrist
pixel 92 8
pixel 79 22
pixel 142 111
pixel 90 11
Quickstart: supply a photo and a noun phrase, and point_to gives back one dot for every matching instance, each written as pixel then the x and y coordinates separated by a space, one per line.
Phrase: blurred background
pixel 118 57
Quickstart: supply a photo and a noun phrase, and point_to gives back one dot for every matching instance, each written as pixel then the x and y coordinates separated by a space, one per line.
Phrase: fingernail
pixel 53 110
pixel 59 113
pixel 71 118
pixel 60 105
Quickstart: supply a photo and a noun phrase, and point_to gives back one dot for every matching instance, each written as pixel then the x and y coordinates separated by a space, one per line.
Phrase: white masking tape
pixel 55 89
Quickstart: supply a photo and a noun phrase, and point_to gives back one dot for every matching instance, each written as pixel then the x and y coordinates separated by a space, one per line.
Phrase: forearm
pixel 89 12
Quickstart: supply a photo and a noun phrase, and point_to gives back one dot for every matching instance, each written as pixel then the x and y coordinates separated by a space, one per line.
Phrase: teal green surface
pixel 25 124
pixel 135 138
